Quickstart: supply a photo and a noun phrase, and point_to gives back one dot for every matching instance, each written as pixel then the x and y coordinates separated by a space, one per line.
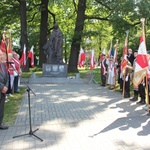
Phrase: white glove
pixel 127 78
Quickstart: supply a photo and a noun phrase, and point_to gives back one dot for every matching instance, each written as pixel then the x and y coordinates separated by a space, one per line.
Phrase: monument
pixel 53 49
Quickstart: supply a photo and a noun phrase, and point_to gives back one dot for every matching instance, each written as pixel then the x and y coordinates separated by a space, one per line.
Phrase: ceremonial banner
pixel 3 45
pixel 109 52
pixel 23 57
pixel 124 56
pixel 9 45
pixel 92 60
pixel 31 56
pixel 141 61
pixel 81 58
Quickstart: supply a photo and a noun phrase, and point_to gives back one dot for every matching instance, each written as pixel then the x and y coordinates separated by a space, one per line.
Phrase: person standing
pixel 104 67
pixel 120 79
pixel 111 73
pixel 130 56
pixel 127 79
pixel 17 71
pixel 4 82
pixel 141 90
pixel 135 97
pixel 11 68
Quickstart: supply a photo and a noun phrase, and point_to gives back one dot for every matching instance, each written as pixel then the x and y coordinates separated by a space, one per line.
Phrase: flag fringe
pixel 139 76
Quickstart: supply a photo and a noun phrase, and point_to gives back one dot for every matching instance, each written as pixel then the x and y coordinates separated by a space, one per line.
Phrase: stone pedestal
pixel 55 70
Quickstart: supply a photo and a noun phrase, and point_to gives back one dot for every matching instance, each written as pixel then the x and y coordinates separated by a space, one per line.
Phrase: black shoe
pixel 102 84
pixel 126 96
pixel 134 99
pixel 2 127
pixel 141 102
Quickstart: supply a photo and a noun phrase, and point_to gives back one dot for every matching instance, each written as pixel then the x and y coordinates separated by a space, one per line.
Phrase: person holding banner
pixel 135 97
pixel 127 79
pixel 140 89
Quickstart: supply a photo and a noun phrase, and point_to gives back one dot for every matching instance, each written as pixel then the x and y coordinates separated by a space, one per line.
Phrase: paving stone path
pixel 76 115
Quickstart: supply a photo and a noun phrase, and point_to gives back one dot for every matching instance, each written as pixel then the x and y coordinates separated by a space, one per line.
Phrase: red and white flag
pixel 31 56
pixel 124 56
pixel 23 57
pixel 141 62
pixel 92 60
pixel 81 58
pixel 9 45
pixel 3 45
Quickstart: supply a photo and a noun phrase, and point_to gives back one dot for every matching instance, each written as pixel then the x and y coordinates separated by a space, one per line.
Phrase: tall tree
pixel 23 19
pixel 43 30
pixel 75 46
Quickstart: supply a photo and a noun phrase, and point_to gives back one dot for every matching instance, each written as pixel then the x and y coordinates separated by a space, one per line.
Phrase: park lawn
pixel 12 107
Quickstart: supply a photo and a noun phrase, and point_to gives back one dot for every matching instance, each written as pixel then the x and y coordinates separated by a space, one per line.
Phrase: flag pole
pixel 108 56
pixel 123 90
pixel 147 90
pixel 115 60
pixel 109 53
pixel 6 48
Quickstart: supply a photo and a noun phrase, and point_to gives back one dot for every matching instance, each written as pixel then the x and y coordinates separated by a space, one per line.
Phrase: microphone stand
pixel 92 78
pixel 31 132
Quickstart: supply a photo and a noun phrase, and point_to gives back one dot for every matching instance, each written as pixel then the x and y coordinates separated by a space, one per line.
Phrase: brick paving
pixel 77 116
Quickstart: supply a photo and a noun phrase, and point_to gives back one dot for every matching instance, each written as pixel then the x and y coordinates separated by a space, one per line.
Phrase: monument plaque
pixel 55 70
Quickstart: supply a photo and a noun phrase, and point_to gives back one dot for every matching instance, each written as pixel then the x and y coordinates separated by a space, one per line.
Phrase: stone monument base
pixel 55 70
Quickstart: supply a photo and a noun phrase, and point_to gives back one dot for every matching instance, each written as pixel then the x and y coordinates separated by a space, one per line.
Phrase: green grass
pixel 12 107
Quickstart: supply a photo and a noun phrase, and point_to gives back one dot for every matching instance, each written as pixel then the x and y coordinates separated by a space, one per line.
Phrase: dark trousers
pixel 103 79
pixel 127 87
pixel 149 90
pixel 2 102
pixel 16 78
pixel 9 91
pixel 141 89
pixel 120 81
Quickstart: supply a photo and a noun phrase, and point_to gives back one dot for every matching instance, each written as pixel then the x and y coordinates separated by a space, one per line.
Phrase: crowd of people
pixel 10 71
pixel 110 71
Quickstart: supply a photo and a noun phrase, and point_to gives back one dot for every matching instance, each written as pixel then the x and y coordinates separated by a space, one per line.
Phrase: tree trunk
pixel 23 20
pixel 43 31
pixel 75 46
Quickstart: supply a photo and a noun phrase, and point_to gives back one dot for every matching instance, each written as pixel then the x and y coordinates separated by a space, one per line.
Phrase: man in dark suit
pixel 104 68
pixel 130 56
pixel 4 81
